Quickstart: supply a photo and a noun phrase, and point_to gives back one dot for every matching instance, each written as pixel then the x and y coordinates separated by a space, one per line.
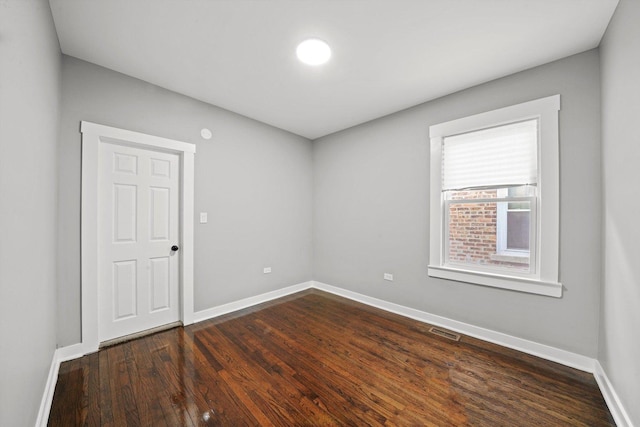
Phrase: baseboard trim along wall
pixel 60 355
pixel 210 313
pixel 543 351
pixel 620 415
pixel 553 354
pixel 47 396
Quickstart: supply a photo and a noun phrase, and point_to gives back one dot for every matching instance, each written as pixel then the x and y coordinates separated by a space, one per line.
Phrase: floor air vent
pixel 445 334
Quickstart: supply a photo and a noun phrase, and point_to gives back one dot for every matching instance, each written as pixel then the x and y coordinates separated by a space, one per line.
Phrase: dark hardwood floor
pixel 317 359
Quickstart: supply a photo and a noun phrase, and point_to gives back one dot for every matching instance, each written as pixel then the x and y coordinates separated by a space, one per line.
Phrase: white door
pixel 138 223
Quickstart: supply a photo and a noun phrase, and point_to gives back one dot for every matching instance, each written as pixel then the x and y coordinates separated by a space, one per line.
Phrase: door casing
pixel 92 136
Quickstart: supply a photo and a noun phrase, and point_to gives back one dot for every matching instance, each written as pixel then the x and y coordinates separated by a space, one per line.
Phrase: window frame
pixel 544 279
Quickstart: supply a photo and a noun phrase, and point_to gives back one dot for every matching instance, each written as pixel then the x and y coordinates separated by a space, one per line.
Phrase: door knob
pixel 174 248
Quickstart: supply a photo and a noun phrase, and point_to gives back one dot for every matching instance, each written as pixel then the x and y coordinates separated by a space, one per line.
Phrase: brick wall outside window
pixel 472 230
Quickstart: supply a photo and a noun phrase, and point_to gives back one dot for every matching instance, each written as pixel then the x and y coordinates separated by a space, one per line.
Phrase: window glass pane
pixel 518 229
pixel 522 191
pixel 479 236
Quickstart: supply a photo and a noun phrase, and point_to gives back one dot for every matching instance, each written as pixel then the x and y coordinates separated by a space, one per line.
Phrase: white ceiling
pixel 387 54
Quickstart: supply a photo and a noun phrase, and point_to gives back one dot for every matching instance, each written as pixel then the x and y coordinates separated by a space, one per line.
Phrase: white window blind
pixel 490 158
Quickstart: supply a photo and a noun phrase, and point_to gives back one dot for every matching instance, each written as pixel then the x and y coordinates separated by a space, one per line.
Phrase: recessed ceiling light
pixel 313 52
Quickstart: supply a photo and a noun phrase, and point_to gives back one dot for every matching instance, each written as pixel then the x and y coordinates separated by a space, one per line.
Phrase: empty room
pixel 319 212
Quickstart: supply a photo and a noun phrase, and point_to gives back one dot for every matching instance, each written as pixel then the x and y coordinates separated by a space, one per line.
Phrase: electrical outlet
pixel 203 218
pixel 266 270
pixel 388 276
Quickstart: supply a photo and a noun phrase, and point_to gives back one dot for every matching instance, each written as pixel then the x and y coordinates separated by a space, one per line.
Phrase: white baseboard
pixel 620 415
pixel 60 355
pixel 70 352
pixel 47 396
pixel 210 313
pixel 553 354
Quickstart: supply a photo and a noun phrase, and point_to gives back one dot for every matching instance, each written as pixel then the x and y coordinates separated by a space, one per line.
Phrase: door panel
pixel 138 219
pixel 160 168
pixel 125 289
pixel 159 283
pixel 125 163
pixel 125 201
pixel 160 213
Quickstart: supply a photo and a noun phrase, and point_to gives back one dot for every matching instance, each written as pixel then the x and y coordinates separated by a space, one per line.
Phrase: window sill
pixel 520 284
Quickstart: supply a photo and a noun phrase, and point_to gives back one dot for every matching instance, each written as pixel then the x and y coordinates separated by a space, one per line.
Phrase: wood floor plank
pixel 272 369
pixel 378 360
pixel 68 393
pixel 374 388
pixel 281 373
pixel 176 406
pixel 314 358
pixel 145 386
pixel 91 365
pixel 356 376
pixel 220 397
pixel 207 401
pixel 106 398
pixel 124 401
pixel 307 400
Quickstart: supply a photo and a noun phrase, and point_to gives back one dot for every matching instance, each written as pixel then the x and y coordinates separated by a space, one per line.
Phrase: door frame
pixel 93 135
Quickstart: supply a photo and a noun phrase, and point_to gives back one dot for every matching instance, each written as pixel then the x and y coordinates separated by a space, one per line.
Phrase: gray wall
pixel 371 207
pixel 619 351
pixel 254 181
pixel 29 97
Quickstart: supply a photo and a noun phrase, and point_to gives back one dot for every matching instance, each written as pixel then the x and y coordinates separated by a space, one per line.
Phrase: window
pixel 494 198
